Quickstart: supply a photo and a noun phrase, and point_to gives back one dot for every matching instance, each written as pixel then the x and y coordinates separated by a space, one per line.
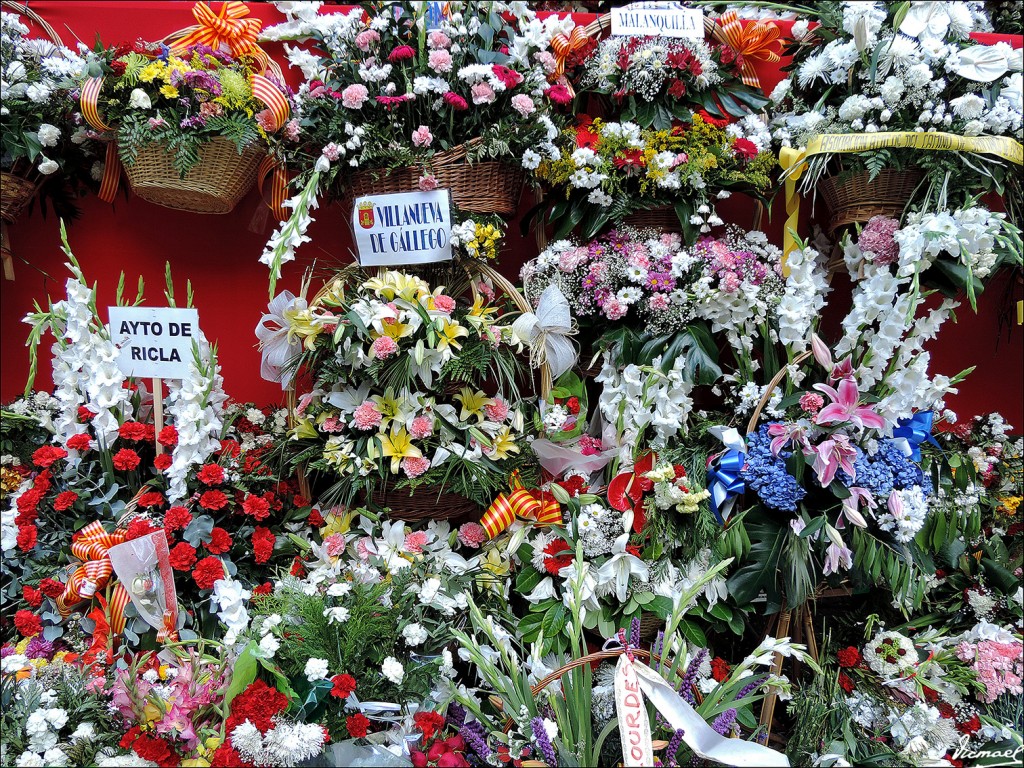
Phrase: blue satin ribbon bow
pixel 725 482
pixel 916 430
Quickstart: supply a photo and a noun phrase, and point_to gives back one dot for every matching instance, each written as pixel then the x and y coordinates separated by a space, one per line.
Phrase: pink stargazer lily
pixel 837 371
pixel 837 557
pixel 845 407
pixel 783 433
pixel 851 507
pixel 831 455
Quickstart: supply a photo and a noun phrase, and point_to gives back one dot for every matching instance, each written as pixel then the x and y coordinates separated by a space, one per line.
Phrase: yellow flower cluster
pixel 1008 505
pixel 484 244
pixel 9 481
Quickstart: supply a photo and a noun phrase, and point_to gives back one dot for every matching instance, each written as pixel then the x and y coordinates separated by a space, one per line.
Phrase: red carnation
pixel 84 414
pixel 263 589
pixel 559 94
pixel 745 148
pixel 163 462
pixel 211 474
pixel 156 750
pixel 455 101
pixel 402 53
pixel 344 685
pixel 152 499
pixel 256 507
pixel 32 595
pixel 227 756
pixel 168 436
pixel 429 723
pixel 27 623
pixel 229 448
pixel 970 726
pixel 138 528
pixel 176 517
pixel 849 657
pixel 262 544
pixel 554 561
pixel 315 519
pixel 27 537
pixel 183 556
pixel 677 89
pixel 719 669
pixel 207 571
pixel 126 459
pixel 573 404
pixel 213 500
pixel 357 725
pixel 298 569
pixel 51 587
pixel 509 77
pixel 297 501
pixel 258 704
pixel 846 682
pixel 45 456
pixel 80 443
pixel 65 500
pixel 220 541
pixel 132 430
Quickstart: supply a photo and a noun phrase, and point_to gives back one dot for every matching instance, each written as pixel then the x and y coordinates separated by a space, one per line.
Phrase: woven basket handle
pixel 38 20
pixel 770 389
pixel 272 65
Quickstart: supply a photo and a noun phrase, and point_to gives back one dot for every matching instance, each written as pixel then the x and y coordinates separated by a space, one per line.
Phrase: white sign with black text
pixel 154 342
pixel 666 19
pixel 403 228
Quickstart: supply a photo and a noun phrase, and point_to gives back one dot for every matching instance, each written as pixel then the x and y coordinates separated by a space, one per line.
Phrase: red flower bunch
pixel 183 557
pixel 81 443
pixel 429 723
pixel 45 456
pixel 163 462
pixel 343 685
pixel 126 459
pixel 358 725
pixel 211 474
pixel 259 704
pixel 720 669
pixel 207 571
pixel 135 431
pixel 256 507
pixel 449 753
pixel 27 623
pixel 263 544
pixel 849 657
pixel 554 559
pixel 65 500
pixel 51 587
pixel 150 748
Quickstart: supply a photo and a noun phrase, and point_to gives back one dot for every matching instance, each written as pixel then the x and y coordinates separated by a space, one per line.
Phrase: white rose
pixel 139 99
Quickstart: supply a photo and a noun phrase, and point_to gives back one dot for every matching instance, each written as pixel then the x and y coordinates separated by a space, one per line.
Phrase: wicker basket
pixel 663 219
pixel 428 503
pixel 486 186
pixel 15 193
pixel 215 184
pixel 854 197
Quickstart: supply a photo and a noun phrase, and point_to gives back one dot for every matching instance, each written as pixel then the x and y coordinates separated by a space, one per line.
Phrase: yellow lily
pixel 496 568
pixel 448 333
pixel 393 283
pixel 397 446
pixel 503 444
pixel 304 429
pixel 338 453
pixel 395 329
pixel 303 324
pixel 480 315
pixel 393 407
pixel 336 523
pixel 473 403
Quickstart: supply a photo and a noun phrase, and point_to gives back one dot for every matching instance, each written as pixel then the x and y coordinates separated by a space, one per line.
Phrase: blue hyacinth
pixel 888 470
pixel 767 476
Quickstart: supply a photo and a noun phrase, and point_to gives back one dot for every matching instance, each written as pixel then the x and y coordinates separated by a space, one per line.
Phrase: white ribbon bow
pixel 547 332
pixel 634 680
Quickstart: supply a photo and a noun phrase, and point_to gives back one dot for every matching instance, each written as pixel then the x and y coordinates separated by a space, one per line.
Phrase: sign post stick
pixel 158 411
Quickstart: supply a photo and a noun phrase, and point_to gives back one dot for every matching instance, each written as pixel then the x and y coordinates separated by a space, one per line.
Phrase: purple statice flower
pixel 456 715
pixel 540 735
pixel 690 676
pixel 475 738
pixel 673 746
pixel 203 81
pixel 39 648
pixel 6 650
pixel 750 687
pixel 878 240
pixel 634 633
pixel 659 648
pixel 723 723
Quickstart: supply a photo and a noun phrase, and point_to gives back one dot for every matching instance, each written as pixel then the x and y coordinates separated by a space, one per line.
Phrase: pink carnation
pixel 422 137
pixel 364 548
pixel 444 304
pixel 414 466
pixel 472 534
pixel 497 411
pixel 438 40
pixel 415 541
pixel 367 417
pixel 292 130
pixel 331 151
pixel 483 94
pixel 402 53
pixel 421 427
pixel 878 239
pixel 366 38
pixel 658 302
pixel 383 347
pixel 811 402
pixel 440 61
pixel 354 96
pixel 546 60
pixel 614 310
pixel 428 182
pixel 265 120
pixel 455 101
pixel 590 446
pixel 570 260
pixel 332 425
pixel 523 104
pixel 335 544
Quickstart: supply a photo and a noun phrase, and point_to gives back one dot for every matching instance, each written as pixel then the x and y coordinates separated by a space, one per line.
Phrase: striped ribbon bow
pixel 754 41
pixel 522 503
pixel 228 28
pixel 563 46
pixel 91 545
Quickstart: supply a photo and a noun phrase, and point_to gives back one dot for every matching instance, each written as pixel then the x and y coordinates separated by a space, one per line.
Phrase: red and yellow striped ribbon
pixel 228 27
pixel 90 103
pixel 271 166
pixel 267 92
pixel 90 545
pixel 754 41
pixel 522 503
pixel 91 113
pixel 564 45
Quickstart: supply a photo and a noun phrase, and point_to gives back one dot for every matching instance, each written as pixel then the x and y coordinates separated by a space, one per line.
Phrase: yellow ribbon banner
pixel 793 161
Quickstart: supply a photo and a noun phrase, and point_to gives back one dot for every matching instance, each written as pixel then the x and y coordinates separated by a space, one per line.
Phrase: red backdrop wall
pixel 219 253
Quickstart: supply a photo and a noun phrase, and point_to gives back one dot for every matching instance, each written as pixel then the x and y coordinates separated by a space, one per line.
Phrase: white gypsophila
pixel 393 670
pixel 905 513
pixel 195 406
pixel 803 300
pixel 228 603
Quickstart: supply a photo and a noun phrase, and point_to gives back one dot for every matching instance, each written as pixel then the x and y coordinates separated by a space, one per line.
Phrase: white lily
pixel 545 590
pixel 616 572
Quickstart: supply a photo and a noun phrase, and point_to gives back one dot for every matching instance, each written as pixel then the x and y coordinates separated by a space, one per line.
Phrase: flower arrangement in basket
pixel 608 171
pixel 407 97
pixel 878 67
pixel 37 115
pixel 191 121
pixel 415 400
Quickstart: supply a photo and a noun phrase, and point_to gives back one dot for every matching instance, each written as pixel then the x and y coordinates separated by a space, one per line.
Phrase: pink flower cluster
pixel 731 267
pixel 367 417
pixel 472 534
pixel 998 666
pixel 878 239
